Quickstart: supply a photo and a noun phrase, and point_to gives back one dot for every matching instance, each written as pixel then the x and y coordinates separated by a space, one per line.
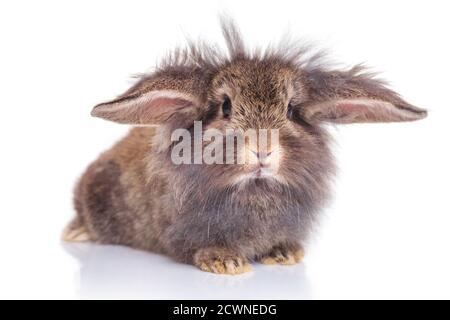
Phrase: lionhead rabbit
pixel 219 215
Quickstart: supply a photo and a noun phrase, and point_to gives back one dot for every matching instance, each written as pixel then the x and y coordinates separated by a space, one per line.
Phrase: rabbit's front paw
pixel 283 255
pixel 219 260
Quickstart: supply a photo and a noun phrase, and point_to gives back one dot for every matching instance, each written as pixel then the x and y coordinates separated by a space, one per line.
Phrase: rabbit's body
pixel 116 199
pixel 133 196
pixel 216 214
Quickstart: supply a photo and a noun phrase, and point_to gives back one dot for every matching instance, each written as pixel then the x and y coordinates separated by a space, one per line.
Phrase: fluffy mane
pixel 210 56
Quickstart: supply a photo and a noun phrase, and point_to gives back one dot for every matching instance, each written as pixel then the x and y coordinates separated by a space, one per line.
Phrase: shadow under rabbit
pixel 120 272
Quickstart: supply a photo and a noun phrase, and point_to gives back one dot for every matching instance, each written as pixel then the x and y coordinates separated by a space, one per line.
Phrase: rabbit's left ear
pixel 157 100
pixel 352 96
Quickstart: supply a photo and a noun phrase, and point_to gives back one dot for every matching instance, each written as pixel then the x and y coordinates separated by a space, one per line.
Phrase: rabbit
pixel 222 217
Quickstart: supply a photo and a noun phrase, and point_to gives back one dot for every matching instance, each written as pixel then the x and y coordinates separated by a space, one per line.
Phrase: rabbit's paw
pixel 222 261
pixel 283 255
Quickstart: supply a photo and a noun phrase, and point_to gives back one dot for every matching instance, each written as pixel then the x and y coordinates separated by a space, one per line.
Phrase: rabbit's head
pixel 276 100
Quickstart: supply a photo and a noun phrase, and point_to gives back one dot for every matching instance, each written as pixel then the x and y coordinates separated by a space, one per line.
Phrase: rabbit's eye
pixel 290 111
pixel 226 107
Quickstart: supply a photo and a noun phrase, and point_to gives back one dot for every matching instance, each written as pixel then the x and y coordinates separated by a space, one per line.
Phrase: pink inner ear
pixel 150 108
pixel 364 110
pixel 160 109
pixel 164 102
pixel 347 108
pixel 357 111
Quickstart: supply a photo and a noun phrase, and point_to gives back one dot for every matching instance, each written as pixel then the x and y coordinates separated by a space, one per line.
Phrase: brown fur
pixel 203 214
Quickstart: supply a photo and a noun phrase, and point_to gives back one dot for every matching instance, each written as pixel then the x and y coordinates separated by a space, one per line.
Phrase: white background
pixel 387 234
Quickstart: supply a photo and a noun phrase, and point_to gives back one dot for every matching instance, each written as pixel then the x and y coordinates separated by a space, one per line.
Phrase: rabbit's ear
pixel 352 96
pixel 155 100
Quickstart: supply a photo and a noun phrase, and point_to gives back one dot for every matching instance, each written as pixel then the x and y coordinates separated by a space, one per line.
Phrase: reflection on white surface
pixel 120 272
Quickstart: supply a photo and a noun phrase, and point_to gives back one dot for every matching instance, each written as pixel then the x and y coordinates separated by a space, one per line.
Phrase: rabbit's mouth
pixel 262 172
pixel 258 172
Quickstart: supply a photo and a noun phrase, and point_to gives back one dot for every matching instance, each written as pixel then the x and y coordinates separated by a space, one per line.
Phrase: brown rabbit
pixel 220 217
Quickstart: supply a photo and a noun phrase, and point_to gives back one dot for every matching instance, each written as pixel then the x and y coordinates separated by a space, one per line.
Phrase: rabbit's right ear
pixel 156 99
pixel 355 96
